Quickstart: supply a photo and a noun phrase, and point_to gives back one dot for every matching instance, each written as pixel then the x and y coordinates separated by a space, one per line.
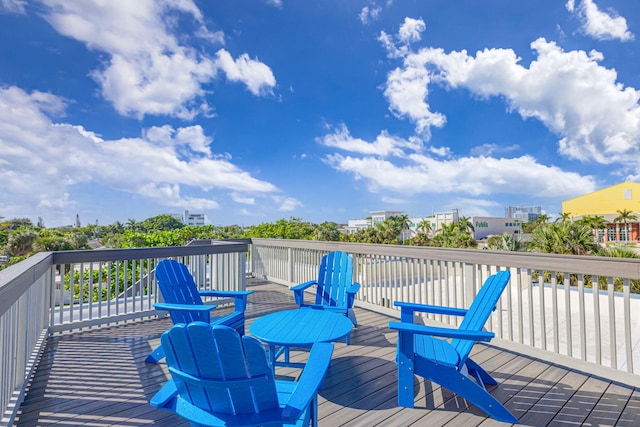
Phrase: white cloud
pixel 13 6
pixel 596 117
pixel 287 204
pixel 42 161
pixel 368 14
pixel 240 198
pixel 474 176
pixel 598 24
pixel 489 149
pixel 149 70
pixel 256 75
pixel 474 207
pixel 411 30
pixel 403 169
pixel 276 3
pixel 384 145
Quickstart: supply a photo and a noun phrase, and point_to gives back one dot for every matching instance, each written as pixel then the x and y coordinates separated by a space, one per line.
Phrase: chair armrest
pixel 298 291
pixel 351 294
pixel 183 307
pixel 305 285
pixel 225 294
pixel 442 332
pixel 164 395
pixel 240 297
pixel 408 308
pixel 354 288
pixel 310 380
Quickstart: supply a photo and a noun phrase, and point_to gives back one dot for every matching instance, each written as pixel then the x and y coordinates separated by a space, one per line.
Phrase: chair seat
pixel 435 349
pixel 284 389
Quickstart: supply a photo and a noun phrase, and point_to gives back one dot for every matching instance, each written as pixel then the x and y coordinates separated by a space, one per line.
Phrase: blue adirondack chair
pixel 335 289
pixel 184 303
pixel 421 352
pixel 222 379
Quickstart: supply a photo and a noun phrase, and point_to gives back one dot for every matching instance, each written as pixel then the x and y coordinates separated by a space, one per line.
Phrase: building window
pixel 611 233
pixel 600 233
pixel 624 232
pixel 627 194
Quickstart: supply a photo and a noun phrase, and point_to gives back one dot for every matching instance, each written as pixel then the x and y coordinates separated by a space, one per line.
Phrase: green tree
pixel 464 224
pixel 21 241
pixel 328 231
pixel 159 222
pixel 294 228
pixel 624 217
pixel 505 242
pixel 595 223
pixel 563 238
pixel 451 236
pixel 425 227
pixel 563 216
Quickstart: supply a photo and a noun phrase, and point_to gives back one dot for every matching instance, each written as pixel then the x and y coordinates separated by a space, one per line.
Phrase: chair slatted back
pixel 218 371
pixel 334 277
pixel 177 287
pixel 478 314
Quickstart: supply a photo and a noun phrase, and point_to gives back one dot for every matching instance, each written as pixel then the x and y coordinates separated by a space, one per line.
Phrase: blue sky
pixel 252 111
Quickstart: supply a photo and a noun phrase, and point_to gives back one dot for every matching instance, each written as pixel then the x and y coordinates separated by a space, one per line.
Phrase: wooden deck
pixel 98 377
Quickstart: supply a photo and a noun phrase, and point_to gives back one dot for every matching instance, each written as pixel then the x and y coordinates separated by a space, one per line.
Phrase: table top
pixel 301 328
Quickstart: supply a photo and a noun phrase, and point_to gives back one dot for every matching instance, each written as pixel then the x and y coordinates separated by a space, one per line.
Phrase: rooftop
pixel 97 376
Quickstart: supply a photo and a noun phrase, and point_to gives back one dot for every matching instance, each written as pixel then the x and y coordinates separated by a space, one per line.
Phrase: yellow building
pixel 607 203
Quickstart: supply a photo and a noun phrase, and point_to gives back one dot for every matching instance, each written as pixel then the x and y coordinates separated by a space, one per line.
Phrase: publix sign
pixel 481 224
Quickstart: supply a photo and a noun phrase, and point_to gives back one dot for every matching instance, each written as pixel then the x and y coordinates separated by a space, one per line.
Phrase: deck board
pixel 98 377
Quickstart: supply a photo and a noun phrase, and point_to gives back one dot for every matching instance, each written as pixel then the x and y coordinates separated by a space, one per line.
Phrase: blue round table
pixel 299 328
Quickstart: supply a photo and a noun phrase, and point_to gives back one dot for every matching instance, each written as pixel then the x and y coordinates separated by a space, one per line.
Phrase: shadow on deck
pixel 98 377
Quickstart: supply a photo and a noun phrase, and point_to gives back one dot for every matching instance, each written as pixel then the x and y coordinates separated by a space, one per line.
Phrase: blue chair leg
pixel 155 356
pixel 479 373
pixel 463 386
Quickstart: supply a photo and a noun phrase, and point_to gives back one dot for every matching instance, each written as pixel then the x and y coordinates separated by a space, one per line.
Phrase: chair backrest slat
pixel 481 307
pixel 177 287
pixel 335 275
pixel 218 353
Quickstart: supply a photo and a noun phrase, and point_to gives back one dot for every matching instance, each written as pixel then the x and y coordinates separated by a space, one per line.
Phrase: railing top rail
pixel 215 247
pixel 16 278
pixel 594 265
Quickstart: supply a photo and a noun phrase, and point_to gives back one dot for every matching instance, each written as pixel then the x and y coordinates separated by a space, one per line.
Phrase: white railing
pixel 53 292
pixel 537 314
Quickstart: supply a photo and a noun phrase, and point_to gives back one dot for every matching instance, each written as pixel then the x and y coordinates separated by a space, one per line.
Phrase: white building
pixel 188 218
pixel 523 213
pixel 488 225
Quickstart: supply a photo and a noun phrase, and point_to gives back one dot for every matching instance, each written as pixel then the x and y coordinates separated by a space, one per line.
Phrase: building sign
pixel 482 224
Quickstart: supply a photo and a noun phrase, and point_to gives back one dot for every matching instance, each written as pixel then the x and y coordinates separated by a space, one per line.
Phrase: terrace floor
pixel 98 377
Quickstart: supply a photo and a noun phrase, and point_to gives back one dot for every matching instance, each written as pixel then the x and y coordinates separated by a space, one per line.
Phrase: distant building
pixel 523 213
pixel 485 226
pixel 189 218
pixel 357 224
pixel 606 203
pixel 378 217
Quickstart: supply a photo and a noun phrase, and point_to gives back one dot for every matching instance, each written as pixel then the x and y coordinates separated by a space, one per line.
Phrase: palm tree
pixel 624 217
pixel 425 227
pixel 542 218
pixel 595 223
pixel 464 224
pixel 564 216
pixel 403 223
pixel 563 238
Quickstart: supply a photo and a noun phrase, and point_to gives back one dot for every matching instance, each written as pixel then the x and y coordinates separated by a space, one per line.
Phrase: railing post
pixel 469 278
pixel 290 265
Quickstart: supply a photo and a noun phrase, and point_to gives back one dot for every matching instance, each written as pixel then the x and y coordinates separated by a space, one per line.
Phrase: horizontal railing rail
pixel 550 305
pixel 56 291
